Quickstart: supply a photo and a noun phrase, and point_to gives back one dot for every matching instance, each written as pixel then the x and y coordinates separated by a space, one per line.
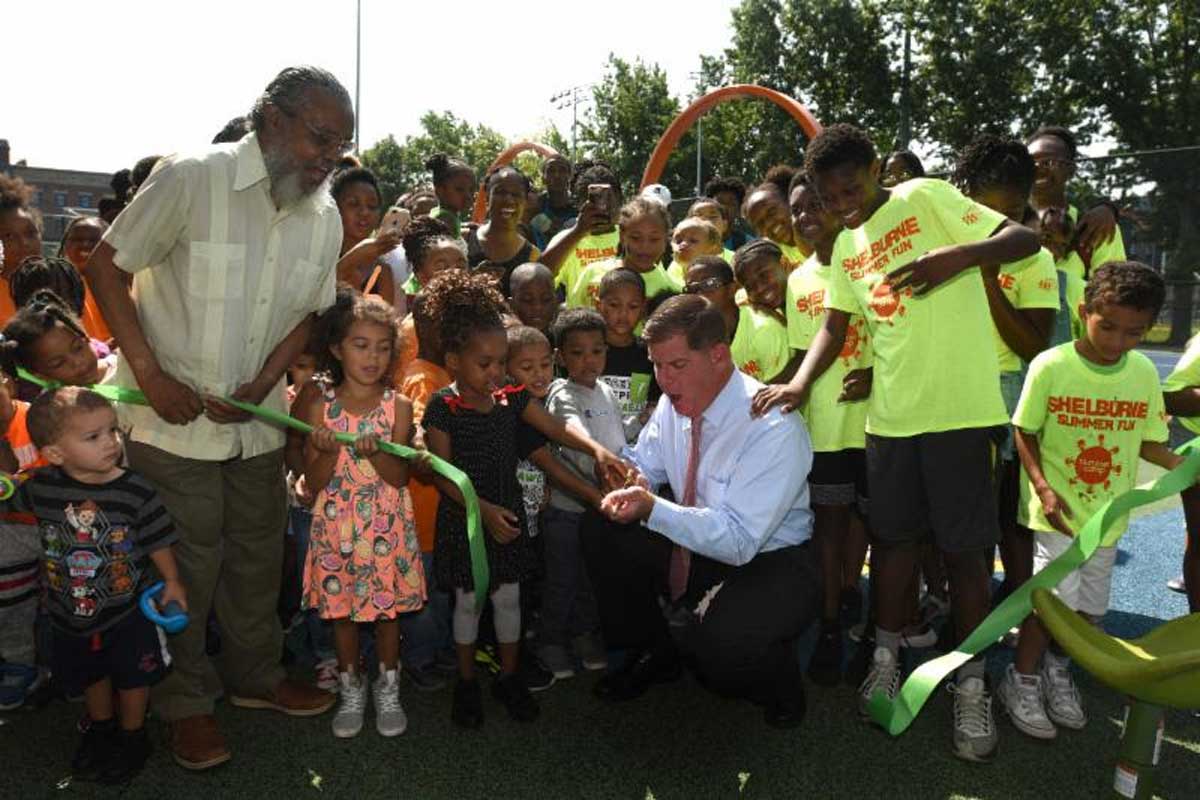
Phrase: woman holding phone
pixel 356 193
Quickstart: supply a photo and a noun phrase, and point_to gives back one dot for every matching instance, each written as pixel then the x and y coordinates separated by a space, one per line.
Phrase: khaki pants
pixel 231 517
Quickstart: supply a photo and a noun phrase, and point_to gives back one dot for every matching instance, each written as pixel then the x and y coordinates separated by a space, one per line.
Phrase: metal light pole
pixel 357 73
pixel 699 156
pixel 571 97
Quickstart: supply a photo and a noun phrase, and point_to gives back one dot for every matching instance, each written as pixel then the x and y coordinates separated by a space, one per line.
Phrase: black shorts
pixel 838 478
pixel 1008 492
pixel 934 483
pixel 133 653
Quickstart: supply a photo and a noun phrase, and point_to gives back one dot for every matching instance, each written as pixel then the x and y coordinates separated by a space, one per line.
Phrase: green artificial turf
pixel 679 741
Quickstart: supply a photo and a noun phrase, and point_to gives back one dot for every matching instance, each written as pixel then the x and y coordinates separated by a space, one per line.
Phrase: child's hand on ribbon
pixel 1057 510
pixel 323 440
pixel 366 445
pixel 173 592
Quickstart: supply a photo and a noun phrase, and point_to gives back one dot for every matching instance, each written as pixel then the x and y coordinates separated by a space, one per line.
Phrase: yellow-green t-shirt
pixel 1029 283
pixel 587 286
pixel 760 344
pixel 1186 374
pixel 1090 422
pixel 1114 250
pixel 793 256
pixel 589 249
pixel 832 425
pixel 935 356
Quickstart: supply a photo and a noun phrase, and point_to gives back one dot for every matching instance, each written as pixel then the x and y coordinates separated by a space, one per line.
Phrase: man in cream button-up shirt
pixel 231 253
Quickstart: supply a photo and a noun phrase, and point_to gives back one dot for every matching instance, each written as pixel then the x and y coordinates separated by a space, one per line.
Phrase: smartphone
pixel 396 219
pixel 598 195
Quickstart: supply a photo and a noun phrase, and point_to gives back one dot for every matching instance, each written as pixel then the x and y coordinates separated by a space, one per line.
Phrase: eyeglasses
pixel 324 141
pixel 706 285
pixel 1053 163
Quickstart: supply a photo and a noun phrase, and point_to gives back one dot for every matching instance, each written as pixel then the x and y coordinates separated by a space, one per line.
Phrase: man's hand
pixel 856 385
pixel 1096 227
pixel 501 523
pixel 930 271
pixel 175 402
pixel 1057 510
pixel 628 505
pixel 223 413
pixel 779 394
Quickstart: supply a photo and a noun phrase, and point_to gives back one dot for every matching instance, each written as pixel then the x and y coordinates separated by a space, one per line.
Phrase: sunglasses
pixel 706 285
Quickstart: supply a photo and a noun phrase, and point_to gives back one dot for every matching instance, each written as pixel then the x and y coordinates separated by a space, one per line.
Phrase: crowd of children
pixel 962 352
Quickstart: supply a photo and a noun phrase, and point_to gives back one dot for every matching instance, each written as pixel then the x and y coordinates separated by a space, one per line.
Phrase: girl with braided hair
pixel 483 425
pixel 47 339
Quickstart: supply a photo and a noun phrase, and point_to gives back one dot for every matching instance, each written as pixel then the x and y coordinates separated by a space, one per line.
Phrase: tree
pixel 401 168
pixel 633 107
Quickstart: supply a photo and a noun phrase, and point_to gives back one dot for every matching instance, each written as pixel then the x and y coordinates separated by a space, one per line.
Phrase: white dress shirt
pixel 220 278
pixel 752 482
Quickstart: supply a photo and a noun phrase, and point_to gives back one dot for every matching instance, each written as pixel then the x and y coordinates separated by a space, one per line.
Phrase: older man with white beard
pixel 232 253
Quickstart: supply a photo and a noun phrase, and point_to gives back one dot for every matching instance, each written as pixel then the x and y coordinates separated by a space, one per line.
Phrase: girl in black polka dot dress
pixel 483 427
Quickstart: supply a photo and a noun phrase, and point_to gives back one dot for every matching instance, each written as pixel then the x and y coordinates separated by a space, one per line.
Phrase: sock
pixel 972 669
pixel 888 640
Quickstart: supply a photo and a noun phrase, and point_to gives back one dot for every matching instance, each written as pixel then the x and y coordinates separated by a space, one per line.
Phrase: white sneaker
pixel 975 736
pixel 327 675
pixel 884 675
pixel 1063 703
pixel 1022 698
pixel 390 719
pixel 352 700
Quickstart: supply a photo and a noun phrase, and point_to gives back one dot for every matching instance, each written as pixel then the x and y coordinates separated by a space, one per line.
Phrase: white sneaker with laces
pixel 390 719
pixel 352 701
pixel 1063 703
pixel 1022 698
pixel 884 675
pixel 975 736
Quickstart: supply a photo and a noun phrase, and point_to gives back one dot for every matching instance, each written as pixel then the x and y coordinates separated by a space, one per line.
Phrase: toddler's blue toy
pixel 173 618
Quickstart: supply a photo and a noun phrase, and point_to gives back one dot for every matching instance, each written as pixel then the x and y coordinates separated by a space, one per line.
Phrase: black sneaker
pixel 512 692
pixel 132 750
pixel 467 711
pixel 825 666
pixel 97 745
pixel 535 677
pixel 426 678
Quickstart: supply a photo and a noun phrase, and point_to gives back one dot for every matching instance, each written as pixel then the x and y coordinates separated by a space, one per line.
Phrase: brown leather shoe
pixel 290 697
pixel 197 743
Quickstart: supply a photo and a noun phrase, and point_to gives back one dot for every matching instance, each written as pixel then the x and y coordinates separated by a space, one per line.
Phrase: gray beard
pixel 284 175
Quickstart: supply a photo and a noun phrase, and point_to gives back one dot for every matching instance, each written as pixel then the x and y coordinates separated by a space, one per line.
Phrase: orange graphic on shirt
pixel 887 303
pixel 593 291
pixel 751 368
pixel 1093 466
pixel 812 304
pixel 856 337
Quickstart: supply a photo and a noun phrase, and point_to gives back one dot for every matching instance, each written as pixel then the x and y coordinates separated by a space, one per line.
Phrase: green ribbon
pixel 480 573
pixel 895 716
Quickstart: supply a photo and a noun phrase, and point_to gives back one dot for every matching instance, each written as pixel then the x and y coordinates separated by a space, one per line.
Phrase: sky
pixel 107 83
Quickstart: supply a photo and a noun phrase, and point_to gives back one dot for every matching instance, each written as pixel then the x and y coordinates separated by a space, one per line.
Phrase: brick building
pixel 60 194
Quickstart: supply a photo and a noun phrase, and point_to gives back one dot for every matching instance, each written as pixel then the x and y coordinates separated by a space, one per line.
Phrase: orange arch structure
pixel 506 157
pixel 683 123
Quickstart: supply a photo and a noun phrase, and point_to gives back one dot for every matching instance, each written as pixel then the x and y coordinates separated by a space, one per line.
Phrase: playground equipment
pixel 1159 670
pixel 683 123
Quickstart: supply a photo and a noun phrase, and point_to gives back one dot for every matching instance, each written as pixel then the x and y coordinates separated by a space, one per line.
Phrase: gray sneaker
pixel 1021 696
pixel 352 700
pixel 975 736
pixel 389 715
pixel 1063 703
pixel 590 649
pixel 557 659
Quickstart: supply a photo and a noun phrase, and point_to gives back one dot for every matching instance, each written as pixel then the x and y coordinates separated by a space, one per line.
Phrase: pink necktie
pixel 681 557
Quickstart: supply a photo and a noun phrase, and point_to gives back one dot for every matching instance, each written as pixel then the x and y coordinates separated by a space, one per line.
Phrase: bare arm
pixel 820 354
pixel 565 478
pixel 321 449
pixel 1030 452
pixel 1025 331
pixel 391 468
pixel 1184 402
pixel 1158 453
pixel 610 469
